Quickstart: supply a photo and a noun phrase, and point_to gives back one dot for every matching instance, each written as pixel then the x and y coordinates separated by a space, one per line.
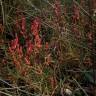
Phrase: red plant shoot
pixel 23 26
pixel 35 26
pixel 14 43
pixel 76 13
pixel 57 8
pixel 38 41
pixel 29 47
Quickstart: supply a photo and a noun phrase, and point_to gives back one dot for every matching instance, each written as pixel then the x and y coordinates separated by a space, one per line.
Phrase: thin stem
pixel 3 15
pixel 80 86
pixel 5 93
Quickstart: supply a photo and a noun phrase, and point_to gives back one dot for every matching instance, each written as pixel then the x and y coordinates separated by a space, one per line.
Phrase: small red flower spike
pixel 23 26
pixel 35 26
pixel 19 51
pixel 29 47
pixel 23 23
pixel 38 41
pixel 14 43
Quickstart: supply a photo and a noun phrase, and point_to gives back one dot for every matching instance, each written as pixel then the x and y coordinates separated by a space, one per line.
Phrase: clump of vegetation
pixel 47 48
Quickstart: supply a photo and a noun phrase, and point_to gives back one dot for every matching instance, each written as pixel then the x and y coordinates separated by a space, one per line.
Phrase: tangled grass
pixel 47 48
